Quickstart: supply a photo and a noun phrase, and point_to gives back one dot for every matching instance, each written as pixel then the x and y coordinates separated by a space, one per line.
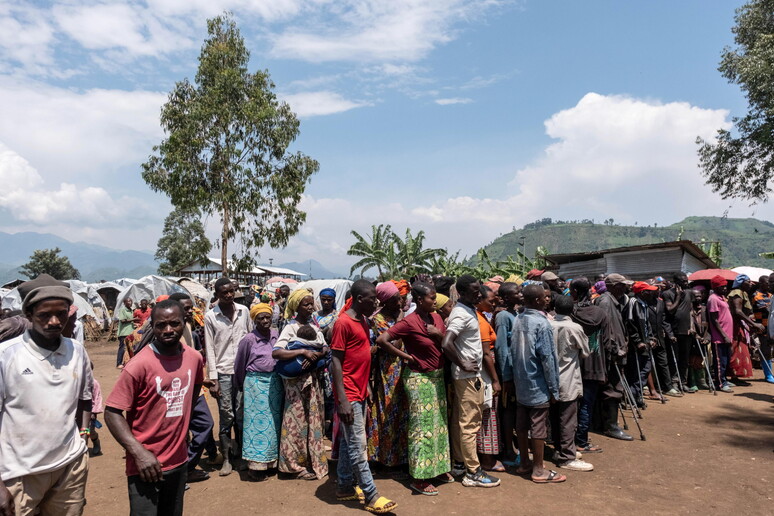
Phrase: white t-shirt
pixel 39 393
pixel 464 322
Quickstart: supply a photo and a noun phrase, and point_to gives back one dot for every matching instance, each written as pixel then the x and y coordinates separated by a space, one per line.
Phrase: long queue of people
pixel 433 381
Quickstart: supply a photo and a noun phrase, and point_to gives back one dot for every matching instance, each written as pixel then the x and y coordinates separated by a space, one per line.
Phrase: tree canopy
pixel 182 242
pixel 48 261
pixel 740 164
pixel 226 150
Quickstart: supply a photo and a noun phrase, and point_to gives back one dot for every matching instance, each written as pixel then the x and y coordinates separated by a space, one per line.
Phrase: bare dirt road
pixel 704 455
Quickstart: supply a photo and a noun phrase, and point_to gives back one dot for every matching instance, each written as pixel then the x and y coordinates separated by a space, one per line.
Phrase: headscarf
pixel 497 279
pixel 260 308
pixel 386 290
pixel 294 299
pixel 330 293
pixel 162 297
pixel 440 301
pixel 403 287
pixel 600 287
pixel 719 282
pixel 739 280
pixel 493 285
pixel 534 273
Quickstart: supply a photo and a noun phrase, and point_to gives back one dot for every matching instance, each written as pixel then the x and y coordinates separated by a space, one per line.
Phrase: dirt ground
pixel 704 455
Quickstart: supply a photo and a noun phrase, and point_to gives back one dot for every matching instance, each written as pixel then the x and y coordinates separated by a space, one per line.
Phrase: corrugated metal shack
pixel 637 262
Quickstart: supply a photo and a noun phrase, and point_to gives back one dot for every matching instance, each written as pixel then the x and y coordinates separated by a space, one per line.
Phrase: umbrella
pixel 285 281
pixel 708 274
pixel 753 272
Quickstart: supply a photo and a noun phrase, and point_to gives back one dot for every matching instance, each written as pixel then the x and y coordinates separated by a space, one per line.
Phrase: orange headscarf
pixel 403 287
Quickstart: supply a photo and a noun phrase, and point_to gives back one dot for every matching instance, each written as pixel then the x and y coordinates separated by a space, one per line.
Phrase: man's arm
pixel 544 349
pixel 672 299
pixel 489 365
pixel 450 352
pixel 209 347
pixel 343 406
pixel 714 321
pixel 147 463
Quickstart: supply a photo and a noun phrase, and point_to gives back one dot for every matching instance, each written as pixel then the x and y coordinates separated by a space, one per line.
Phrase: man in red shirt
pixel 141 314
pixel 157 389
pixel 351 347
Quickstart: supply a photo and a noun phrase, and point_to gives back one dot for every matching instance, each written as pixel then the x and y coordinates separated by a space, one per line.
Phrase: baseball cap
pixel 615 278
pixel 641 286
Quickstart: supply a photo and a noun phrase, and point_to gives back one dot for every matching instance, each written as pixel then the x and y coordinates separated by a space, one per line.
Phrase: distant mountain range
pixel 741 239
pixel 96 262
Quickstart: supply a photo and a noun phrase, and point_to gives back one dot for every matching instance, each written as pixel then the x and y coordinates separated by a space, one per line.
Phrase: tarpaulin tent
pixel 13 301
pixel 90 294
pixel 341 286
pixel 149 287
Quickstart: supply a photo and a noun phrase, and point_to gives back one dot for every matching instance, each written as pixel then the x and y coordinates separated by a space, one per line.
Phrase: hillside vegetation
pixel 741 239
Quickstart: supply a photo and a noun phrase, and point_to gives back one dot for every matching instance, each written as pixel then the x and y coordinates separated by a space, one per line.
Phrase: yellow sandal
pixel 382 506
pixel 356 495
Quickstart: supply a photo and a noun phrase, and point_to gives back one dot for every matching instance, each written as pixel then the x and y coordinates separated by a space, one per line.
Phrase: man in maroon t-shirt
pixel 157 389
pixel 351 347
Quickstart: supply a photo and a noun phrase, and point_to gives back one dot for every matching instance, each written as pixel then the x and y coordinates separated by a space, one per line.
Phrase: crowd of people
pixel 433 381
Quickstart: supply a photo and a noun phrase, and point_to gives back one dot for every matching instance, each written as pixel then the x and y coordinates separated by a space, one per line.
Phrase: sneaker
pixel 726 388
pixel 480 479
pixel 458 469
pixel 673 392
pixel 731 384
pixel 577 465
pixel 692 389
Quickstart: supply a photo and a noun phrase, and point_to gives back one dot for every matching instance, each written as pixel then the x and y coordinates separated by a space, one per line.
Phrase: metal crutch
pixel 630 398
pixel 655 375
pixel 639 378
pixel 677 369
pixel 704 359
pixel 626 388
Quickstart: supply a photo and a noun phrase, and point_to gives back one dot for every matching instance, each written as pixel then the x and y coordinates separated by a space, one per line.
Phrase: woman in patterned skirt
pixel 428 434
pixel 263 394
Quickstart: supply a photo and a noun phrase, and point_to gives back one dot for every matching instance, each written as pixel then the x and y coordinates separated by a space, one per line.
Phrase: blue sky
pixel 461 118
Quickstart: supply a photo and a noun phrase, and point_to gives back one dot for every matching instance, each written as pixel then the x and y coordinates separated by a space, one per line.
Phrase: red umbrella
pixel 708 274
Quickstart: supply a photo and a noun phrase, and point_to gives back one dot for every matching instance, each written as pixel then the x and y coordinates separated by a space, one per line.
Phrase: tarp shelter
pixel 108 291
pixel 150 287
pixel 90 294
pixel 196 289
pixel 341 286
pixel 125 282
pixel 754 273
pixel 13 301
pixel 13 284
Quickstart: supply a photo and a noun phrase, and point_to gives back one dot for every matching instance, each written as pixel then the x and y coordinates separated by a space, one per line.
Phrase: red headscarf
pixel 718 282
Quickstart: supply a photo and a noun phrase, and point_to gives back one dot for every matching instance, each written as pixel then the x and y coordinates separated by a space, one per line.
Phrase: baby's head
pixel 306 332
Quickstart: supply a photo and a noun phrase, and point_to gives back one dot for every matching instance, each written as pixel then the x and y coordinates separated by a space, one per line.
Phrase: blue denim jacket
pixel 533 366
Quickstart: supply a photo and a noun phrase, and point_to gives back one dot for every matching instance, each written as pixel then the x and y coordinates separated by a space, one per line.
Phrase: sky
pixel 464 119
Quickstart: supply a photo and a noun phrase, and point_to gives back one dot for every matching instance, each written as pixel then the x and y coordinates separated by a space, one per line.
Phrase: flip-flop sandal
pixel 356 494
pixel 553 478
pixel 422 488
pixel 511 463
pixel 306 475
pixel 382 506
pixel 445 478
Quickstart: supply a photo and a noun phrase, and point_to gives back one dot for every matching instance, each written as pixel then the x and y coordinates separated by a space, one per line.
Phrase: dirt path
pixel 703 455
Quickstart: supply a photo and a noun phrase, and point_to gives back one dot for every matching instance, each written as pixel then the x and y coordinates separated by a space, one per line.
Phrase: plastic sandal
pixel 382 506
pixel 553 478
pixel 357 494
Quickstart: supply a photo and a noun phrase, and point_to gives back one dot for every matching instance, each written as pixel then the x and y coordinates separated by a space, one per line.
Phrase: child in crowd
pixel 97 407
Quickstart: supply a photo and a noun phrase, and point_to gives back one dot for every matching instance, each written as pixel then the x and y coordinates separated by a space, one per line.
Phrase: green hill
pixel 741 239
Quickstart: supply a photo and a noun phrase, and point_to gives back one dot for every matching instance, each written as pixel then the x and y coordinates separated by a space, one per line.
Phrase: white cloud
pixel 374 30
pixel 25 38
pixel 453 100
pixel 316 103
pixel 84 135
pixel 30 199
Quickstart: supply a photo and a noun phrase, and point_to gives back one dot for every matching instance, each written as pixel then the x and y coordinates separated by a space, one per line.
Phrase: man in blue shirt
pixel 535 375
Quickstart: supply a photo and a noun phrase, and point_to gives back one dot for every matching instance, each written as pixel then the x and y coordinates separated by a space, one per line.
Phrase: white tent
pixel 13 301
pixel 196 289
pixel 90 294
pixel 341 286
pixel 149 287
pixel 125 282
pixel 753 272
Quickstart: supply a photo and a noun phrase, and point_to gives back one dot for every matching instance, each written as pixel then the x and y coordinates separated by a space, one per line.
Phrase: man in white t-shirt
pixel 462 346
pixel 45 396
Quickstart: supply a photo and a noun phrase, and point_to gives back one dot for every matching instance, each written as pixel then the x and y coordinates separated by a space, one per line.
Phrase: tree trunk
pixel 224 241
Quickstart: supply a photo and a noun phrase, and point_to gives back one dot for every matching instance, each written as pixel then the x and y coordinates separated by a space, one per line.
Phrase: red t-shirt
pixel 352 337
pixel 142 316
pixel 156 392
pixel 412 330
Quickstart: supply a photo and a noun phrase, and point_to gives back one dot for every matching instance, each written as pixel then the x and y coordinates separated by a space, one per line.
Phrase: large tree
pixel 226 150
pixel 740 164
pixel 48 261
pixel 182 242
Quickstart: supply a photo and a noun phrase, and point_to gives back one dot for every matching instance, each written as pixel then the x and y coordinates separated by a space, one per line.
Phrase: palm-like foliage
pixel 372 252
pixel 413 257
